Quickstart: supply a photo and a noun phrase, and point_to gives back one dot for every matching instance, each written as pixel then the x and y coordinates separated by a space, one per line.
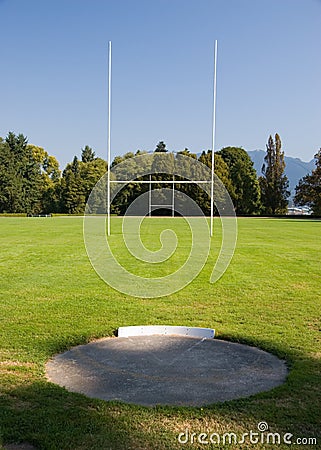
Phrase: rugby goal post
pixel 172 205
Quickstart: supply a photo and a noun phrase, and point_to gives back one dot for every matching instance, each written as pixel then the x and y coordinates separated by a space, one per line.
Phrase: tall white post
pixel 150 197
pixel 213 138
pixel 108 139
pixel 173 197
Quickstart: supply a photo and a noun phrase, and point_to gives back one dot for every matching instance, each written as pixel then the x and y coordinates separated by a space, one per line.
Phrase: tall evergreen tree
pixel 20 177
pixel 273 182
pixel 308 190
pixel 161 147
pixel 10 185
pixel 73 197
pixel 87 154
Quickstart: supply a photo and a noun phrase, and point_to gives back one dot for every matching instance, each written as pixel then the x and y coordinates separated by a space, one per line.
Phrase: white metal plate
pixel 143 330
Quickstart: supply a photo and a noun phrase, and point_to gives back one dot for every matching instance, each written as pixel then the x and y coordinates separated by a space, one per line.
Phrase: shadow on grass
pixel 50 418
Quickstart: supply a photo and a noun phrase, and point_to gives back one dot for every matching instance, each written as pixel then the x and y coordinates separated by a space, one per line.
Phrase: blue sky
pixel 54 57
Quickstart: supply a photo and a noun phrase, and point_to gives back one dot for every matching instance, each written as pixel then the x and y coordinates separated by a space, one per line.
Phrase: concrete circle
pixel 166 370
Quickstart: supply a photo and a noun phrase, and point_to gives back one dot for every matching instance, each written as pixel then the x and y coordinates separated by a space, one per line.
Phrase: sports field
pixel 51 299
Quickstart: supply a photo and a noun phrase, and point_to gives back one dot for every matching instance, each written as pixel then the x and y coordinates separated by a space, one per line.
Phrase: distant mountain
pixel 295 169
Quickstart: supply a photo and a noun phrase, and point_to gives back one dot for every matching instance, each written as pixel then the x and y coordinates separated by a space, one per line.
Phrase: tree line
pixel 32 183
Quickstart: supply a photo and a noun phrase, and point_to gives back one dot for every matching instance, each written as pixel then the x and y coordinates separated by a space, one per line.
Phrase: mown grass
pixel 51 299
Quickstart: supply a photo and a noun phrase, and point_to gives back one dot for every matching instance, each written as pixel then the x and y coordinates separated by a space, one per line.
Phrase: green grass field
pixel 52 299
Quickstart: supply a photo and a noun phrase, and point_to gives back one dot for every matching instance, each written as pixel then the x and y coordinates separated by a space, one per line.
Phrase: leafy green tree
pixel 220 167
pixel 162 164
pixel 245 191
pixel 180 163
pixel 49 165
pixel 90 173
pixel 221 170
pixel 308 190
pixel 120 159
pixel 128 171
pixel 273 182
pixel 78 180
pixel 50 177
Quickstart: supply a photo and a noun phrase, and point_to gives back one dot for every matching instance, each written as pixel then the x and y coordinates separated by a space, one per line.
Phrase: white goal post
pixel 150 181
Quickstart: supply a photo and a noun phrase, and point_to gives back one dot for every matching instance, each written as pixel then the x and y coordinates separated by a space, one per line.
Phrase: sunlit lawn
pixel 52 299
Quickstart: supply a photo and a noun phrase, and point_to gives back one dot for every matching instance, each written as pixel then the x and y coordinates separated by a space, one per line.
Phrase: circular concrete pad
pixel 166 370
